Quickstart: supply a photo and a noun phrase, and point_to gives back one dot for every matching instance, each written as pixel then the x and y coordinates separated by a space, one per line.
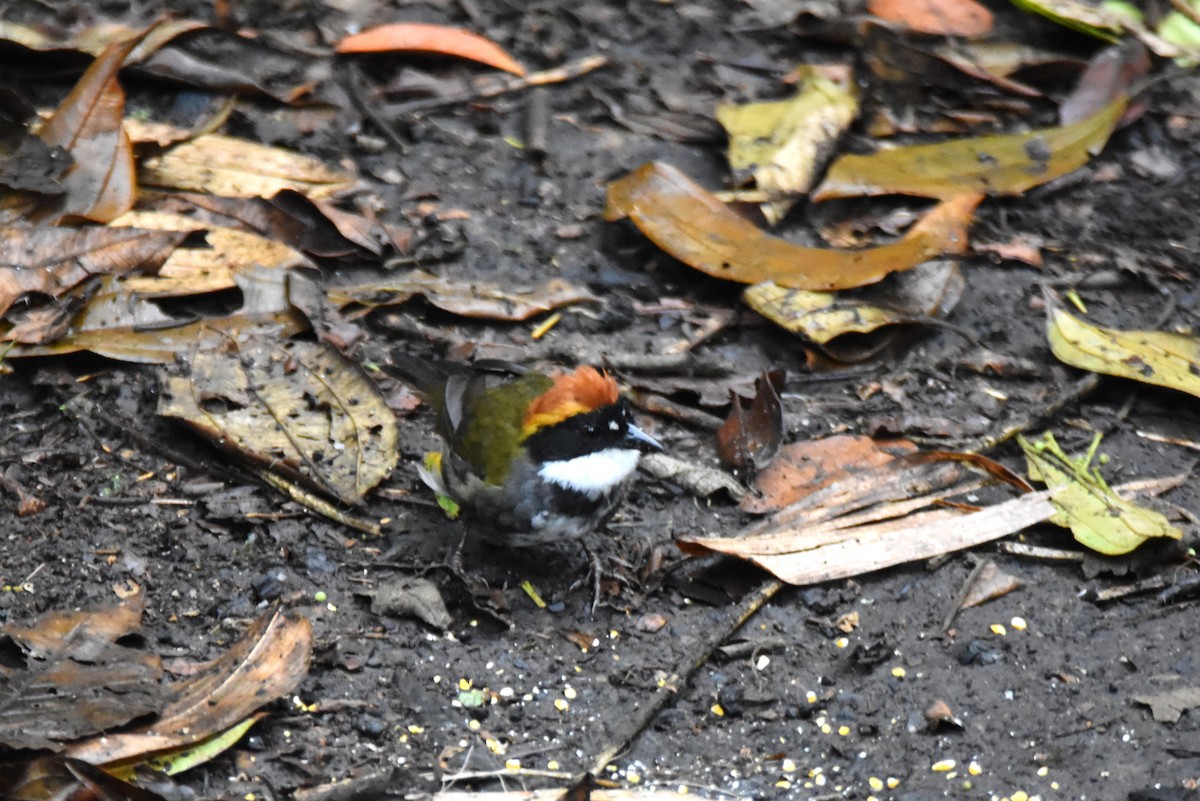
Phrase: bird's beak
pixel 644 442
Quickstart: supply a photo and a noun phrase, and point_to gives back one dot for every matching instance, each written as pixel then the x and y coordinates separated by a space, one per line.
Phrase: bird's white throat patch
pixel 593 474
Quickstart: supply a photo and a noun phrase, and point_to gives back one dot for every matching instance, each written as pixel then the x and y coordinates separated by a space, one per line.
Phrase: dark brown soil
pixel 805 710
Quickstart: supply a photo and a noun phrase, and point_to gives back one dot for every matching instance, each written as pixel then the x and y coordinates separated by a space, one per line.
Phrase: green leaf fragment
pixel 1098 517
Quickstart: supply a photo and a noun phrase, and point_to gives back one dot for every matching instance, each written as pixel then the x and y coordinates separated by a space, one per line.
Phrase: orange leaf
pixel 693 226
pixel 426 38
pixel 88 124
pixel 939 17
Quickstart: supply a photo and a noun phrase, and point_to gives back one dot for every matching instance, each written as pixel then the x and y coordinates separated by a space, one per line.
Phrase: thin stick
pixel 664 694
pixel 557 75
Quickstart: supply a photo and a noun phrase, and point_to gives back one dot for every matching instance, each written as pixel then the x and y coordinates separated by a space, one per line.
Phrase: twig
pixel 1039 551
pixel 317 504
pixel 1081 388
pixel 557 75
pixel 354 89
pixel 956 607
pixel 663 695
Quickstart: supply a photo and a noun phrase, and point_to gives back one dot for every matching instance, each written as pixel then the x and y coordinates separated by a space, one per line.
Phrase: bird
pixel 531 457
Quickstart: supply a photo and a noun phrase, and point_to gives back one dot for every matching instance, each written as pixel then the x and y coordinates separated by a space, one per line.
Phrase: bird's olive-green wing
pixel 488 431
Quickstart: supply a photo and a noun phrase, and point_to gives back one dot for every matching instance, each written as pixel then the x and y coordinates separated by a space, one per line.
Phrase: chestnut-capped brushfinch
pixel 530 457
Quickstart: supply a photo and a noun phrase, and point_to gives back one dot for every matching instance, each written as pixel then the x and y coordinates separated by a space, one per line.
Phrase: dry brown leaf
pixel 467 298
pixel 879 518
pixel 51 261
pixel 802 468
pixel 77 680
pixel 268 662
pixel 693 226
pixel 224 165
pixel 88 124
pixel 425 38
pixel 299 408
pixel 120 325
pixel 190 271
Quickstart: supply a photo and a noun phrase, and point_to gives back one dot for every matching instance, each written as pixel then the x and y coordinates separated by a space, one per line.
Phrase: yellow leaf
pixel 1152 357
pixel 1096 515
pixel 1000 164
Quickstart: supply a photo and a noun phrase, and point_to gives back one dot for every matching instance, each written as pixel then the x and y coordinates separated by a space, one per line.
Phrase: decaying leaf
pixel 415 597
pixel 267 662
pixel 998 164
pixel 879 518
pixel 117 324
pixel 57 777
pixel 1160 358
pixel 50 261
pixel 749 440
pixel 224 165
pixel 1168 706
pixel 785 142
pixel 466 298
pixel 693 226
pixel 914 296
pixel 186 757
pixel 965 18
pixel 1084 503
pixel 191 271
pixel 804 467
pixel 990 584
pixel 77 679
pixel 88 124
pixel 300 408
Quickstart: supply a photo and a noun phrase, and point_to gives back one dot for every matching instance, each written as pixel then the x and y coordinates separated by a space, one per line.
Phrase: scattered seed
pixel 899 672
pixel 512 764
pixel 789 766
pixel 998 629
pixel 717 710
pixel 811 697
pixel 876 783
pixel 892 782
pixel 841 642
pixel 570 693
pixel 1018 623
pixel 1043 770
pixel 975 769
pixel 561 705
pixel 944 765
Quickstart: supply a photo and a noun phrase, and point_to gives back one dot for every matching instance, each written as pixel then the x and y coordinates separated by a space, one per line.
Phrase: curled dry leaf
pixel 267 662
pixel 693 226
pixel 749 440
pixel 466 298
pixel 425 38
pixel 88 125
pixel 1084 502
pixel 299 408
pixel 51 261
pixel 1160 358
pixel 224 165
pixel 999 164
